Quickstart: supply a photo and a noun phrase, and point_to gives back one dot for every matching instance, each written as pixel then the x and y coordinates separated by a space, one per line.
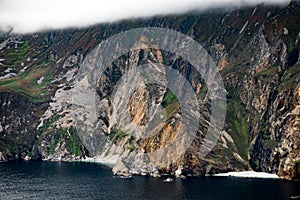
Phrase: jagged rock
pixel 2 157
pixel 178 172
pixel 121 169
pixel 27 158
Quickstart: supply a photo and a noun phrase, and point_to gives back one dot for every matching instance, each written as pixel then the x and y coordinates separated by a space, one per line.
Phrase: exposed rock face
pixel 288 149
pixel 257 54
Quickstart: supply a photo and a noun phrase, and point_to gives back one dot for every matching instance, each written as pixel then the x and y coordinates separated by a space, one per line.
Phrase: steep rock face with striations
pixel 256 50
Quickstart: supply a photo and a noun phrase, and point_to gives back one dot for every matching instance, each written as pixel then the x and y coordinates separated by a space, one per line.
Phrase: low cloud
pixel 25 16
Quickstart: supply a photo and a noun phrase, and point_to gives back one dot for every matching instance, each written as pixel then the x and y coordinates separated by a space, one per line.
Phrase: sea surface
pixel 52 180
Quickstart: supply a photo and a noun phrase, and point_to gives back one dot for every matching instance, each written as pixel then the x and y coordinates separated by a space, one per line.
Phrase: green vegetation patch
pixel 16 56
pixel 169 98
pixel 297 162
pixel 289 80
pixel 268 72
pixel 25 83
pixel 73 141
pixel 57 138
pixel 46 126
pixel 172 109
pixel 117 134
pixel 170 103
pixel 131 148
pixel 239 130
pixel 70 136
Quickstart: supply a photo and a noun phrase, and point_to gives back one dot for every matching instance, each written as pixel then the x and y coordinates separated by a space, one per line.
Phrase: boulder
pixel 2 157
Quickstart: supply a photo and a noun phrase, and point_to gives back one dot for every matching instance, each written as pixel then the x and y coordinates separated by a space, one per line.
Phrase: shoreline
pixel 248 174
pixel 241 174
pixel 111 162
pixel 107 162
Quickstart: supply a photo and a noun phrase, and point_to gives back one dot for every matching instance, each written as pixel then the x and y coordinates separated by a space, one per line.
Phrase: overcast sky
pixel 25 16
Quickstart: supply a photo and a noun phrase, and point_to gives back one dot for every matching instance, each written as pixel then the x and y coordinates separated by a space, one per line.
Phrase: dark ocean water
pixel 47 180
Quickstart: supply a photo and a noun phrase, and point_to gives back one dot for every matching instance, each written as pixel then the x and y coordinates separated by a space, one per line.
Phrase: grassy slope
pixel 25 83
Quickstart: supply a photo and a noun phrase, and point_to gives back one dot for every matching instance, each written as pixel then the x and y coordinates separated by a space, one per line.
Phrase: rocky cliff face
pixel 256 50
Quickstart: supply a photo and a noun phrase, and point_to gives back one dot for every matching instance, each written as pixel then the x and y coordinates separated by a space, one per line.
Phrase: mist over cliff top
pixel 25 16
